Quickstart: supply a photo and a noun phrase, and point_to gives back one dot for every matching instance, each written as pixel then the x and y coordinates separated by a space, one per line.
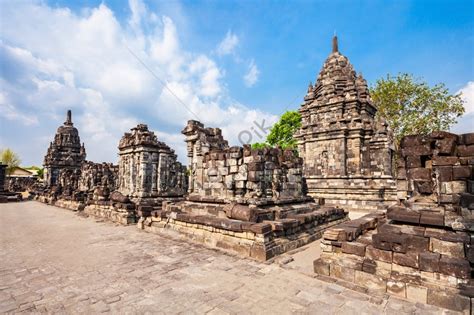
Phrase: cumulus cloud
pixel 468 97
pixel 466 122
pixel 112 75
pixel 251 77
pixel 228 44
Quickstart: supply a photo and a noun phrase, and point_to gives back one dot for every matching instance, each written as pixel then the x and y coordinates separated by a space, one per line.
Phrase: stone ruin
pixel 148 174
pixel 347 153
pixel 423 248
pixel 69 180
pixel 6 195
pixel 243 200
pixel 65 152
pixel 149 170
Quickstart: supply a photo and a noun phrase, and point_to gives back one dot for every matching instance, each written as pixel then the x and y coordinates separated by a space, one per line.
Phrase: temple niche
pixel 64 153
pixel 347 152
pixel 148 169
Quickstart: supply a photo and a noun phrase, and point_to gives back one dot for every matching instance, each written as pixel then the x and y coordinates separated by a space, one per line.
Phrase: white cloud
pixel 252 74
pixel 228 44
pixel 466 122
pixel 54 59
pixel 468 97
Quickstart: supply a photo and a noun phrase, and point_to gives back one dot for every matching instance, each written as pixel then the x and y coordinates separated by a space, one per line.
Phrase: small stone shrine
pixel 65 152
pixel 250 202
pixel 148 174
pixel 347 154
pixel 423 248
pixel 148 169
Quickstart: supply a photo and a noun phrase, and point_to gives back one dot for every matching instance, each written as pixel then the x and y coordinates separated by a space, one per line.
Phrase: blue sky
pixel 233 63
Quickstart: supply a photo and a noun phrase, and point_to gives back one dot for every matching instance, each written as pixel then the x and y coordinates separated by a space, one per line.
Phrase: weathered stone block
pixel 321 267
pixel 430 218
pixel 456 267
pixel 378 254
pixel 467 201
pixel 453 249
pixel 413 161
pixel 424 187
pixel 466 150
pixel 423 174
pixel 397 288
pixel 369 266
pixel 403 215
pixel 448 299
pixel 445 160
pixel 370 281
pixel 416 293
pixel 354 248
pixel 343 273
pixel 429 261
pixel 408 259
pixel 462 172
pixel 468 138
pixel 390 241
pixel 445 173
pixel 424 149
pixel 458 187
pixel 261 228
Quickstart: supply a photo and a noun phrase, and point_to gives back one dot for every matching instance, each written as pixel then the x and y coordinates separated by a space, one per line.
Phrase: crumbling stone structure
pixel 422 249
pixel 247 201
pixel 76 188
pixel 148 174
pixel 65 152
pixel 347 153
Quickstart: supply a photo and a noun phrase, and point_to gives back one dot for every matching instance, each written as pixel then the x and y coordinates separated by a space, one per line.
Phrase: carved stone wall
pixel 148 168
pixel 65 152
pixel 347 153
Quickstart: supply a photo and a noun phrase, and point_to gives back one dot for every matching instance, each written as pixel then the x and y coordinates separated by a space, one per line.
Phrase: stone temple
pixel 148 169
pixel 246 201
pixel 65 152
pixel 347 153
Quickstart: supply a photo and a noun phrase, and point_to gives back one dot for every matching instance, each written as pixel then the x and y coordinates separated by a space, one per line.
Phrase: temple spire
pixel 335 47
pixel 69 118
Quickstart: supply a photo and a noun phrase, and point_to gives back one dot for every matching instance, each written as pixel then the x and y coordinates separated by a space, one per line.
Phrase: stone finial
pixel 310 87
pixel 335 47
pixel 68 118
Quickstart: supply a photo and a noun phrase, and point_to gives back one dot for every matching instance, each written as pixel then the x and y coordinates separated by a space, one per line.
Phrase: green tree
pixel 411 106
pixel 281 133
pixel 9 158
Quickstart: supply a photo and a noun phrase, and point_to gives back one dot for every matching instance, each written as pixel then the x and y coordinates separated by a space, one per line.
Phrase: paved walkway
pixel 55 261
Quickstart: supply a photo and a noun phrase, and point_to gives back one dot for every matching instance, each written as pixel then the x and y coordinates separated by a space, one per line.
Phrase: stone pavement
pixel 54 261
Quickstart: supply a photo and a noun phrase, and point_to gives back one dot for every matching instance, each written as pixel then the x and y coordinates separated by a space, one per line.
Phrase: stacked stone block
pixel 421 249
